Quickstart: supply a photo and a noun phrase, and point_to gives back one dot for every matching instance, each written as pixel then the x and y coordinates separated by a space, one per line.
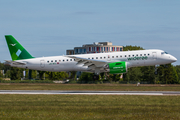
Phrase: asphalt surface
pixel 70 92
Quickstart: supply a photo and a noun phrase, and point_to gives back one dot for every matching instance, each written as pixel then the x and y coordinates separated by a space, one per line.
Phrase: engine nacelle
pixel 116 67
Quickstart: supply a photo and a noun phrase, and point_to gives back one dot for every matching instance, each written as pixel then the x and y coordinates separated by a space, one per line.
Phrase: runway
pixel 71 92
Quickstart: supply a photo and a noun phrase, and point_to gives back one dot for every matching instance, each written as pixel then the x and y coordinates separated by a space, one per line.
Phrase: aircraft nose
pixel 173 59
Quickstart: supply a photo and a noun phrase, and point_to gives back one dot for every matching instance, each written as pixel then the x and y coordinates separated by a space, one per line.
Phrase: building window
pixel 101 48
pixel 120 49
pixel 76 51
pixel 97 48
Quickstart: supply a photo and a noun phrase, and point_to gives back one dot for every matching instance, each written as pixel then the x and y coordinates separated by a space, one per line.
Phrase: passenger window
pixel 88 58
pixel 70 59
pixel 112 56
pixel 137 55
pixel 67 60
pixel 129 55
pixel 116 56
pixel 125 56
pixel 140 54
pixel 59 60
pixel 63 60
pixel 148 54
pixel 133 55
pixel 144 54
pixel 104 57
pixel 92 58
pixel 120 55
pixel 100 57
pixel 55 60
pixel 96 57
pixel 51 60
pixel 47 61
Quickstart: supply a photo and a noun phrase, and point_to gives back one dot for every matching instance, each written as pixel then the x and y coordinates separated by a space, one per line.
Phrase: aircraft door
pixel 154 55
pixel 42 64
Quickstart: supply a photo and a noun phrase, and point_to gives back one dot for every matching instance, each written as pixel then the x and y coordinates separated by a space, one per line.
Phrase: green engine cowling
pixel 117 67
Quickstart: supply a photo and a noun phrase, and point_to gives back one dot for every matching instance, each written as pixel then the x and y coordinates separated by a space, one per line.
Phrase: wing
pixel 92 64
pixel 9 62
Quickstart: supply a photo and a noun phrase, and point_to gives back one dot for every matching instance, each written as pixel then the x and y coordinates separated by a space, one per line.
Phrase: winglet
pixel 17 51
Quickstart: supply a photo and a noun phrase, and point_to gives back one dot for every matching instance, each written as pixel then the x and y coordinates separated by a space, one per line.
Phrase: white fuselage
pixel 66 63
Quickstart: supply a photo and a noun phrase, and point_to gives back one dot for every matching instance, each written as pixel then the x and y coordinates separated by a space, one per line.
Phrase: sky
pixel 50 27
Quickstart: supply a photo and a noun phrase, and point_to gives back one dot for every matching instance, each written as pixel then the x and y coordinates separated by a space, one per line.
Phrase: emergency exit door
pixel 42 63
pixel 154 55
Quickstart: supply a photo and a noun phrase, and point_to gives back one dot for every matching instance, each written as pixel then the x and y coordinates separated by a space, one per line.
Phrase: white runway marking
pixel 60 92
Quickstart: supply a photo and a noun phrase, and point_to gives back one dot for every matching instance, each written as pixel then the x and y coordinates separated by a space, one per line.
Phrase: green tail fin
pixel 16 50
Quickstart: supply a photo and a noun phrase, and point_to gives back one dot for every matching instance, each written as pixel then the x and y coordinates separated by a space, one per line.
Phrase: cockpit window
pixel 162 53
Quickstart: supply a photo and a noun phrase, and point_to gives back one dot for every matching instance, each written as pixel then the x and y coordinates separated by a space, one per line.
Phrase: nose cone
pixel 173 59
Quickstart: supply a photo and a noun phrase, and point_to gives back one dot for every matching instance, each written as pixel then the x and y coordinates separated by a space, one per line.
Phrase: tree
pixel 129 48
pixel 86 77
pixel 16 73
pixel 133 74
pixel 148 74
pixel 177 68
pixel 41 73
pixel 167 74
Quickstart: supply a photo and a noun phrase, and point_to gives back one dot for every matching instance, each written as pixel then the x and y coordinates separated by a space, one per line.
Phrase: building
pixel 96 47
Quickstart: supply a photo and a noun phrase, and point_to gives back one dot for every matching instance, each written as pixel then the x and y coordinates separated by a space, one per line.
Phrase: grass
pixel 106 87
pixel 100 107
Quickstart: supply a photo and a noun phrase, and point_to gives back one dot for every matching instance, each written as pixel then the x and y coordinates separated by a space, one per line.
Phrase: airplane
pixel 114 63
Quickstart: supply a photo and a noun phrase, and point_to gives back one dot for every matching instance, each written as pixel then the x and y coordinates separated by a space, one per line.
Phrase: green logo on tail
pixel 16 50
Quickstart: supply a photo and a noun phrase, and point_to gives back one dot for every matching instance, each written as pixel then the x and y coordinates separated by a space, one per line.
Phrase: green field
pixel 99 87
pixel 104 107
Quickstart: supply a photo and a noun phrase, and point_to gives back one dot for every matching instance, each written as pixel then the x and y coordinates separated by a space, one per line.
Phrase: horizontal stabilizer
pixel 9 62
